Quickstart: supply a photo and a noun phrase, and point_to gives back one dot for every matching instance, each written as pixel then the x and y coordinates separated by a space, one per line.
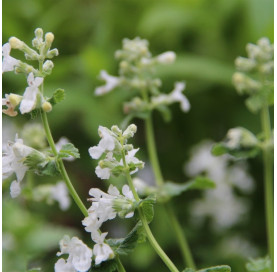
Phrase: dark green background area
pixel 207 35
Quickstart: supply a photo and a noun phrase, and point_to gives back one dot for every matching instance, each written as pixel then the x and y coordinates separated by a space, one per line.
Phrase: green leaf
pixel 34 269
pixel 171 189
pixel 219 268
pixel 259 265
pixel 126 245
pixel 254 103
pixel 50 169
pixel 68 150
pixel 108 266
pixel 147 206
pixel 220 149
pixel 57 97
pixel 188 270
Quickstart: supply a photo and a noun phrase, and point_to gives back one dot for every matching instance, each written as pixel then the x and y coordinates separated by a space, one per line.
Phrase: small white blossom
pixel 59 193
pixel 167 57
pixel 101 250
pixel 102 173
pixel 79 255
pixel 28 102
pixel 8 63
pixel 107 143
pixel 111 83
pixel 234 136
pixel 175 96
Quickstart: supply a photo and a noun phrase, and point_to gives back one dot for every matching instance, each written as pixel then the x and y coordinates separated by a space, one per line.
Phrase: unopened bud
pixel 245 64
pixel 15 43
pixel 48 66
pixel 15 99
pixel 130 131
pixel 116 130
pixel 39 32
pixel 49 37
pixel 46 106
pixel 52 53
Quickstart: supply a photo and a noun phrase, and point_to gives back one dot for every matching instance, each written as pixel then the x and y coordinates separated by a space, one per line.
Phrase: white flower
pixel 111 83
pixel 8 63
pixel 175 96
pixel 62 266
pixel 166 57
pixel 107 143
pixel 131 159
pixel 103 173
pixel 234 136
pixel 101 250
pixel 79 255
pixel 12 162
pixel 15 189
pixel 59 193
pixel 28 102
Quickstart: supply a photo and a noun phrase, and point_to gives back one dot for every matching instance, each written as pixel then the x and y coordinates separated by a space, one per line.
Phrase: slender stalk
pixel 268 182
pixel 149 234
pixel 181 238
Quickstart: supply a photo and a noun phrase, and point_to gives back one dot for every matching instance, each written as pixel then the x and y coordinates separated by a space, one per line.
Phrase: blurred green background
pixel 207 35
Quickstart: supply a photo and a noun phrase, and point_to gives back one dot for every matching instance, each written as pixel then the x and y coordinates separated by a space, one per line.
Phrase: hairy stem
pixel 181 238
pixel 268 182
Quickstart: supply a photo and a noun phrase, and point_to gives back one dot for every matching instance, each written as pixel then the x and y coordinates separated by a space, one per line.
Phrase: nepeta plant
pixel 254 79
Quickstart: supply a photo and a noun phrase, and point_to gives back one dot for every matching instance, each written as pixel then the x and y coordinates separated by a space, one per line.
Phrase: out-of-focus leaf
pixel 219 268
pixel 108 266
pixel 259 265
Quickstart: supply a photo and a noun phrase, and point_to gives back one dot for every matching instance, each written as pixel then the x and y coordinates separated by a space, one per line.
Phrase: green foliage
pixel 57 97
pixel 34 269
pixel 125 245
pixel 170 189
pixel 147 206
pixel 221 148
pixel 68 150
pixel 259 265
pixel 108 266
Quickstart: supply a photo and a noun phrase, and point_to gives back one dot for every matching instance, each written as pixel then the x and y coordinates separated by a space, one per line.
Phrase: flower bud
pixel 46 106
pixel 240 137
pixel 15 99
pixel 48 66
pixel 39 32
pixel 116 130
pixel 52 53
pixel 49 37
pixel 15 43
pixel 245 64
pixel 130 131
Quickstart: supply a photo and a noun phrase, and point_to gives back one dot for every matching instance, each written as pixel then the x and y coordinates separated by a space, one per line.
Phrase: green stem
pixel 149 234
pixel 64 174
pixel 268 182
pixel 181 238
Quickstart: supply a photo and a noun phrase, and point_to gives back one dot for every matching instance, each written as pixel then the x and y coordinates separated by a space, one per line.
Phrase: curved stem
pixel 268 183
pixel 64 174
pixel 181 238
pixel 149 234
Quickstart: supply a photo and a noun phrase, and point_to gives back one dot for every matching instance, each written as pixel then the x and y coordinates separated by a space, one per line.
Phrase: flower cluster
pixel 105 206
pixel 256 72
pixel 136 72
pixel 79 256
pixel 33 96
pixel 113 145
